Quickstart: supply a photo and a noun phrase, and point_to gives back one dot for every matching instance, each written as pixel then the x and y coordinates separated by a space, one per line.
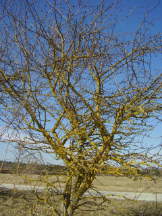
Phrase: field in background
pixel 112 183
pixel 26 203
pixel 103 183
pixel 40 175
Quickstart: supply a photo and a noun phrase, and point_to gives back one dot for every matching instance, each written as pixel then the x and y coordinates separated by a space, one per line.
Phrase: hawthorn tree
pixel 80 88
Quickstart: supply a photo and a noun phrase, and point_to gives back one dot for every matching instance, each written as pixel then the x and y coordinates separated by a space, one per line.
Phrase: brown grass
pixel 19 203
pixel 104 183
pixel 112 183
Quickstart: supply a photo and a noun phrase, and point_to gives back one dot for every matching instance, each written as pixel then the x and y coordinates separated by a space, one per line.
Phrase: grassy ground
pixel 27 203
pixel 112 183
pixel 19 203
pixel 105 183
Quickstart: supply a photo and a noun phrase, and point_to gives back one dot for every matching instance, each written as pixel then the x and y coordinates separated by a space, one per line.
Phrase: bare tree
pixel 80 88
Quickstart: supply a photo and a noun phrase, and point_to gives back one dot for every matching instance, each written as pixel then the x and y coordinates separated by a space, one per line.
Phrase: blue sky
pixel 135 9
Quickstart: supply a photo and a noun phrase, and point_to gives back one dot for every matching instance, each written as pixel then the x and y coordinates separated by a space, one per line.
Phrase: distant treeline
pixel 152 171
pixel 41 169
pixel 32 168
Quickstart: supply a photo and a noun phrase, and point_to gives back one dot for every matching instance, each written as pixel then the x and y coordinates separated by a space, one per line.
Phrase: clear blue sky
pixel 135 9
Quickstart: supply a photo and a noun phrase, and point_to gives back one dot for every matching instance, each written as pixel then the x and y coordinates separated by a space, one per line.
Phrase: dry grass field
pixel 26 203
pixel 103 183
pixel 19 203
pixel 112 183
